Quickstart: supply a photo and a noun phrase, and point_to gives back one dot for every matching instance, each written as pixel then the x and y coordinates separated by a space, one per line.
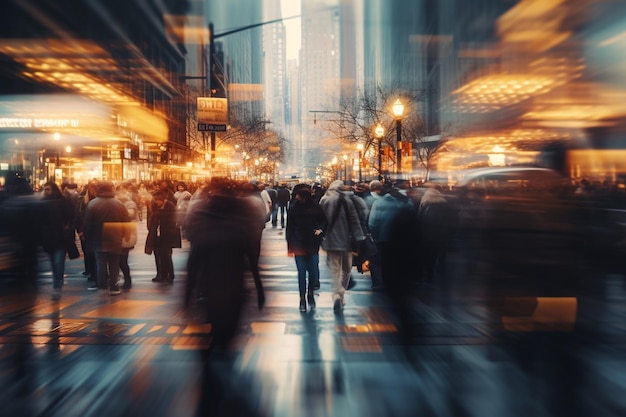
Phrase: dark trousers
pixel 107 269
pixel 283 211
pixel 89 258
pixel 310 264
pixel 165 266
pixel 124 263
pixel 274 215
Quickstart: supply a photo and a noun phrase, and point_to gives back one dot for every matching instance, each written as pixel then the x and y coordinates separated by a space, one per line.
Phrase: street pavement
pixel 139 354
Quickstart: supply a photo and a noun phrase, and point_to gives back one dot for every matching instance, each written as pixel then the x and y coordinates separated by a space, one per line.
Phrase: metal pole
pixel 380 159
pixel 360 176
pixel 399 147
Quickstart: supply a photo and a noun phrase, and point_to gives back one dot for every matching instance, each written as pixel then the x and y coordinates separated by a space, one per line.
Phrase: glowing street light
pixel 359 147
pixel 379 132
pixel 398 111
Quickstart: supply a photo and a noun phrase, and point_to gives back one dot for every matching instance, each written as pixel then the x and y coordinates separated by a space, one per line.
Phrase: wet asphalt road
pixel 138 354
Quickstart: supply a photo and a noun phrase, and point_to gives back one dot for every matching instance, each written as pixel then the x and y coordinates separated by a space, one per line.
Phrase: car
pixel 518 224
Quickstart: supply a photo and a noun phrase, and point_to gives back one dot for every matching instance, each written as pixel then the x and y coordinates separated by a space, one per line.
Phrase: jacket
pixel 130 238
pixel 345 228
pixel 385 211
pixel 104 226
pixel 163 232
pixel 302 220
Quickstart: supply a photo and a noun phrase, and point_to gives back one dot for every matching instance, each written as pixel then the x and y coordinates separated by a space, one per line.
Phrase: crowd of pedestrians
pixel 376 227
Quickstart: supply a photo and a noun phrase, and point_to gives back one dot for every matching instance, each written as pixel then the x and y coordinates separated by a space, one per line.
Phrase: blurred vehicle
pixel 519 232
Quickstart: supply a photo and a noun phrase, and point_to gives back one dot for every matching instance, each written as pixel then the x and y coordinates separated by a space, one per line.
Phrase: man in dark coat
pixel 222 250
pixel 163 236
pixel 104 230
pixel 305 226
pixel 283 202
pixel 57 232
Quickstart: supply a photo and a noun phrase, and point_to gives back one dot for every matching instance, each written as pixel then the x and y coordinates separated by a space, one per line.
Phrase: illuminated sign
pixel 212 114
pixel 30 123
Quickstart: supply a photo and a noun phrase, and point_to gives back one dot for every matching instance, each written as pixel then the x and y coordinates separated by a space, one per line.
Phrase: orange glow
pixel 245 92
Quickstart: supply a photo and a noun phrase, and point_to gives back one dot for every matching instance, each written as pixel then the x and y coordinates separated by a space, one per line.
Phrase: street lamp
pixel 359 147
pixel 68 150
pixel 335 167
pixel 398 110
pixel 379 131
pixel 57 160
pixel 345 168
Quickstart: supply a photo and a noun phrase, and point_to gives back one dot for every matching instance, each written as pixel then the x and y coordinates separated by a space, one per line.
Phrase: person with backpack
pixel 343 228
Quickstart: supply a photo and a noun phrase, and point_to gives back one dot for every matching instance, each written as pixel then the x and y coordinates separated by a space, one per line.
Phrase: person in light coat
pixel 342 229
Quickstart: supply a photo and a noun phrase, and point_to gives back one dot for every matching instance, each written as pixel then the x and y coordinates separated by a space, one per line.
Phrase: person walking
pixel 267 200
pixel 57 232
pixel 390 213
pixel 130 238
pixel 89 256
pixel 273 194
pixel 163 236
pixel 104 230
pixel 305 227
pixel 283 203
pixel 343 228
pixel 219 260
pixel 183 197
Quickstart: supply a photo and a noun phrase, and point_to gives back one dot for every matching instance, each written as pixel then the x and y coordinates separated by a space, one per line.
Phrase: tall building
pixel 239 44
pixel 97 88
pixel 294 154
pixel 275 66
pixel 320 85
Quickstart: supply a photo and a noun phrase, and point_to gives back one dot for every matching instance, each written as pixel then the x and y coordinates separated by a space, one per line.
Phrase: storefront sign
pixel 212 114
pixel 30 123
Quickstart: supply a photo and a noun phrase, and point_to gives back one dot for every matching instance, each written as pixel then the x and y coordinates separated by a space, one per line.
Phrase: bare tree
pixel 355 118
pixel 254 138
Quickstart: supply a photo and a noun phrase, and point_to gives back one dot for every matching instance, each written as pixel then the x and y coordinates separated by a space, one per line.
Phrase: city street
pixel 137 354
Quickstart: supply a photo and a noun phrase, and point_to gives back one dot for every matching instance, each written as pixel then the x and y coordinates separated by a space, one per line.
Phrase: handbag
pixel 70 244
pixel 368 247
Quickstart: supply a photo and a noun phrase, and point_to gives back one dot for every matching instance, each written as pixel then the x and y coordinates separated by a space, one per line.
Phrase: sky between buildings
pixel 292 26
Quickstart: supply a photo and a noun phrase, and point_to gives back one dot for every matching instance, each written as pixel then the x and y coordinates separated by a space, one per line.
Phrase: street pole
pixel 398 111
pixel 379 132
pixel 399 148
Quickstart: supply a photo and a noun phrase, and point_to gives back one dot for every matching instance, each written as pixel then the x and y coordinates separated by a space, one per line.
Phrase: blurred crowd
pixel 397 232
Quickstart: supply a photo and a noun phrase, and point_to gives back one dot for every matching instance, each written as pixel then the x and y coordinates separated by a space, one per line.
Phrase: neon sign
pixel 29 123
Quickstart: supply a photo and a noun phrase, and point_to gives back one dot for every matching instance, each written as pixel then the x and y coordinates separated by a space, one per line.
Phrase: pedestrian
pixel 130 238
pixel 283 203
pixel 271 191
pixel 57 232
pixel 342 230
pixel 104 230
pixel 393 225
pixel 163 236
pixel 367 248
pixel 218 260
pixel 253 213
pixel 437 226
pixel 19 219
pixel 305 228
pixel 89 256
pixel 388 214
pixel 183 197
pixel 165 187
pixel 376 191
pixel 267 200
